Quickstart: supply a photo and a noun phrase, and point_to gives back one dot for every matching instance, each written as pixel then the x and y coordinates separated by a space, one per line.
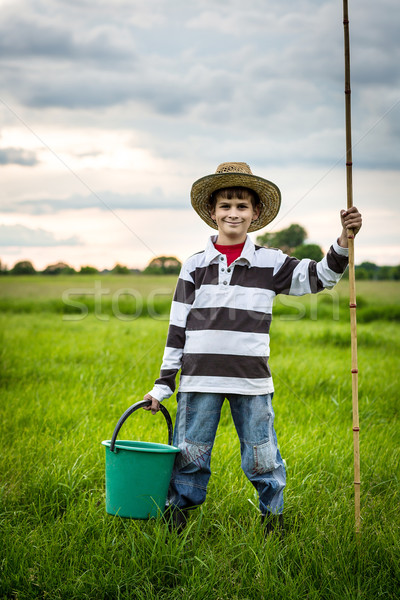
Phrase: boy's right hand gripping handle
pixel 131 410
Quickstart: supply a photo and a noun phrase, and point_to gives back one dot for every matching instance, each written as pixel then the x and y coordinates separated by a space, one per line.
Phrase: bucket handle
pixel 131 410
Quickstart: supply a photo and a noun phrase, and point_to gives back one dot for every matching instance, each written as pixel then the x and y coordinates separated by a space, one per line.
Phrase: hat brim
pixel 268 193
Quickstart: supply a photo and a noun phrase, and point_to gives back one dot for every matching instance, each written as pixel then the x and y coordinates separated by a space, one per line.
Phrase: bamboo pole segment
pixel 352 283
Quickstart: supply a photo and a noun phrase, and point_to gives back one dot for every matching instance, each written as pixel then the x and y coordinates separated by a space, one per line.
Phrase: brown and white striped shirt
pixel 220 316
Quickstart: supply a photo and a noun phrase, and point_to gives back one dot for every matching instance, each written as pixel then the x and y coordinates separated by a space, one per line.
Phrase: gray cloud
pixel 18 156
pixel 106 200
pixel 220 71
pixel 55 36
pixel 19 235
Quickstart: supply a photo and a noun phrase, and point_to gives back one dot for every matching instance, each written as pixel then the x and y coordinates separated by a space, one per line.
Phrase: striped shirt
pixel 220 316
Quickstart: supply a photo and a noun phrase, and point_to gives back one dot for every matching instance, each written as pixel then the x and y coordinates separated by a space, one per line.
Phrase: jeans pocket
pixel 264 458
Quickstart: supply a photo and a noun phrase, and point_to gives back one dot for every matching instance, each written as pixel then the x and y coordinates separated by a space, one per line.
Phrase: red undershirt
pixel 231 252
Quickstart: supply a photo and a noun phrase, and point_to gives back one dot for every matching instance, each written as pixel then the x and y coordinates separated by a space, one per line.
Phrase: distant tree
pixel 361 273
pixel 265 239
pixel 370 268
pixel 163 265
pixel 384 273
pixel 120 270
pixel 88 270
pixel 287 239
pixel 388 273
pixel 23 267
pixel 59 268
pixel 312 251
pixel 395 274
pixel 3 268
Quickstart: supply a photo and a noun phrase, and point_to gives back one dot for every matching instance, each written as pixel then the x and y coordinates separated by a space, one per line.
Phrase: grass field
pixel 66 377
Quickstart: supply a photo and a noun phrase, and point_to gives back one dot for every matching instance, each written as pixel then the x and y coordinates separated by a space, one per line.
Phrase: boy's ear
pixel 256 213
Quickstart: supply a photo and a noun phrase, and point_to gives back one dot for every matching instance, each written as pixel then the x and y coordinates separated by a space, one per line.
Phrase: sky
pixel 109 111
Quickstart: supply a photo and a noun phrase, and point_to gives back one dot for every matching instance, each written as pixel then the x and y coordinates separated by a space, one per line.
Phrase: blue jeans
pixel 196 424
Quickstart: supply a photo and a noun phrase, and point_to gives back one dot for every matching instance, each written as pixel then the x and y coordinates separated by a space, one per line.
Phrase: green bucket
pixel 138 473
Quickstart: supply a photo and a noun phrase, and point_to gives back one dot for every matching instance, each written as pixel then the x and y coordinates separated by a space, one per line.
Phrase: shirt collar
pixel 212 254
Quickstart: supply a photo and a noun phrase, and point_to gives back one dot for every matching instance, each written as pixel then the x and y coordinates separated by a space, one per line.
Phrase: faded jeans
pixel 196 425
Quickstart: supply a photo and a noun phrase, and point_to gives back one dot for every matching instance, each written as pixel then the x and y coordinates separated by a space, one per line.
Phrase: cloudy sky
pixel 110 111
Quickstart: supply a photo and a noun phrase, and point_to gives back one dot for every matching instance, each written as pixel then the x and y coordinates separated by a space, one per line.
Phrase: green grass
pixel 65 383
pixel 125 296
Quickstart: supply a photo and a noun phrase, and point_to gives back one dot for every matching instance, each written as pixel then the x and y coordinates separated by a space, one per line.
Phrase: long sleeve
pixel 298 277
pixel 182 301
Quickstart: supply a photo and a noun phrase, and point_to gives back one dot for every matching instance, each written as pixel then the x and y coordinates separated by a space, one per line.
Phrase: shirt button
pixel 223 269
pixel 225 283
pixel 228 270
pixel 221 258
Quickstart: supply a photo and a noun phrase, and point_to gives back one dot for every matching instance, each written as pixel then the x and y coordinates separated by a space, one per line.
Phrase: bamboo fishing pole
pixel 352 283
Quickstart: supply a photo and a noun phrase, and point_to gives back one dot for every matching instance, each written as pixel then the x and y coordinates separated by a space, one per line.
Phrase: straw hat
pixel 234 174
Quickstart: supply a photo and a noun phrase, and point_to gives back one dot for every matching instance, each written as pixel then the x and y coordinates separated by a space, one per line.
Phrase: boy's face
pixel 233 218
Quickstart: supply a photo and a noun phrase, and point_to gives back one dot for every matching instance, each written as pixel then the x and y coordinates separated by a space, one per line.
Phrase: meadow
pixel 76 351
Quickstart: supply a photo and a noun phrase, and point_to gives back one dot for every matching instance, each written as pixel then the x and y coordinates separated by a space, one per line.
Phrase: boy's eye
pixel 227 206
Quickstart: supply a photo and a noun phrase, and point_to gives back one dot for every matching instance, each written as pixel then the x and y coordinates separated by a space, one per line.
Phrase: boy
pixel 219 336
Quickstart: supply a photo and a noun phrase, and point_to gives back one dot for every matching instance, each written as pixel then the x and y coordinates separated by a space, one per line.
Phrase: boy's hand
pixel 155 405
pixel 351 220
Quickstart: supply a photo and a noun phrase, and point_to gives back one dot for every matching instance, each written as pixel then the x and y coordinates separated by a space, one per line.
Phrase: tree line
pixel 290 240
pixel 161 265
